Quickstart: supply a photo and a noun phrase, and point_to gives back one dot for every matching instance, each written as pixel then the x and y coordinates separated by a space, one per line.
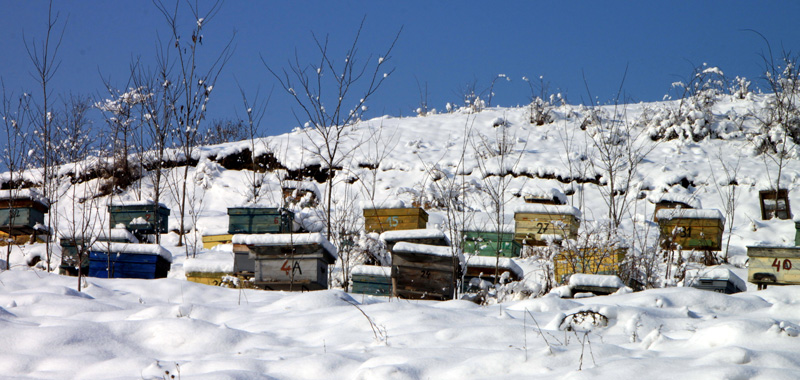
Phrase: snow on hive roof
pixel 104 235
pixel 551 193
pixel 687 213
pixel 534 208
pixel 371 270
pixel 424 233
pixel 285 240
pixel 426 249
pixel 720 272
pixel 389 203
pixel 20 194
pixel 597 280
pixel 137 249
pixel 138 203
pixel 687 199
pixel 218 263
pixel 489 262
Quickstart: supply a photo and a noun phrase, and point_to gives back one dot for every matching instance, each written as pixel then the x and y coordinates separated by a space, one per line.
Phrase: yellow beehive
pixel 392 219
pixel 691 228
pixel 535 224
pixel 592 260
pixel 211 241
pixel 773 266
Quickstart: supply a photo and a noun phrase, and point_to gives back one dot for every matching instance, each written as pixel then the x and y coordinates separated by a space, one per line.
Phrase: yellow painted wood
pixel 782 263
pixel 530 227
pixel 690 233
pixel 414 211
pixel 211 241
pixel 593 260
pixel 382 220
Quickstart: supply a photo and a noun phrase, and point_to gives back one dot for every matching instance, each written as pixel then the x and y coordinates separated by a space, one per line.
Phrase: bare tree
pixel 332 95
pixel 726 189
pixel 222 131
pixel 190 91
pixel 254 114
pixel 44 57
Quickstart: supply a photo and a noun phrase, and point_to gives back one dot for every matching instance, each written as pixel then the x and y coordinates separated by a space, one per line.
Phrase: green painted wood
pixel 244 220
pixel 156 216
pixel 371 288
pixel 485 243
pixel 797 234
pixel 372 279
pixel 21 220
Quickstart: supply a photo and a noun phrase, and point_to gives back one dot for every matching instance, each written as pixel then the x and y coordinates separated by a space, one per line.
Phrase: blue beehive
pixel 122 260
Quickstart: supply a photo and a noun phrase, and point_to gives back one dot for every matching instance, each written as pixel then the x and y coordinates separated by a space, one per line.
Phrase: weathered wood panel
pixel 691 233
pixel 211 241
pixel 774 265
pixel 422 282
pixel 246 220
pixel 531 227
pixel 392 219
pixel 20 220
pixel 242 262
pixel 293 274
pixel 156 218
pixel 797 233
pixel 373 284
pixel 484 243
pixel 594 260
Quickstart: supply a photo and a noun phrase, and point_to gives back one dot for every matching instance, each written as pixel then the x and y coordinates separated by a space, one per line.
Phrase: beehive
pixel 21 211
pixel 422 271
pixel 718 279
pixel 211 241
pixel 535 224
pixel 259 220
pixel 294 262
pixel 122 260
pixel 691 229
pixel 391 219
pixel 483 268
pixel 485 243
pixel 210 268
pixel 144 217
pixel 773 265
pixel 371 279
pixel 594 260
pixel 70 261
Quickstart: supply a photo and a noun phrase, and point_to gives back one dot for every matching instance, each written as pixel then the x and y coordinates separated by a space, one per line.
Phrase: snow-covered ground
pixel 134 329
pixel 143 328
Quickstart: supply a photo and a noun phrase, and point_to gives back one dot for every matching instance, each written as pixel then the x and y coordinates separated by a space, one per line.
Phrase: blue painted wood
pixel 127 265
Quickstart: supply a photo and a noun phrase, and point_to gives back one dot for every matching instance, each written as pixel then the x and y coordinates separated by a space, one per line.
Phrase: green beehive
pixel 797 233
pixel 485 243
pixel 21 211
pixel 259 220
pixel 140 217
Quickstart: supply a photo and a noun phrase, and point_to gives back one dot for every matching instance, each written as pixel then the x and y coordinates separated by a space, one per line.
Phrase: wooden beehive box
pixel 391 219
pixel 21 211
pixel 122 260
pixel 419 236
pixel 69 249
pixel 211 241
pixel 294 262
pixel 371 279
pixel 593 260
pixel 535 224
pixel 719 279
pixel 210 268
pixel 773 266
pixel 144 217
pixel 422 271
pixel 259 220
pixel 596 284
pixel 486 243
pixel 775 204
pixel 691 229
pixel 483 268
pixel 243 264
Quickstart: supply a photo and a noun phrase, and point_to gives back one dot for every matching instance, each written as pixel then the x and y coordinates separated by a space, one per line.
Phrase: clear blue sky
pixel 444 43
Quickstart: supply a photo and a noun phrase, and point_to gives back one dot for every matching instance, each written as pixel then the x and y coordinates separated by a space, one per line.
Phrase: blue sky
pixel 445 44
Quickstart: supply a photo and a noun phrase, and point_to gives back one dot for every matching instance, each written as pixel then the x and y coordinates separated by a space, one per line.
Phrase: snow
pixel 668 214
pixel 138 203
pixel 489 262
pixel 433 250
pixel 719 272
pixel 210 262
pixel 389 203
pixel 115 234
pixel 685 198
pixel 371 270
pixel 31 194
pixel 137 249
pixel 424 233
pixel 547 193
pixel 535 208
pixel 598 280
pixel 285 240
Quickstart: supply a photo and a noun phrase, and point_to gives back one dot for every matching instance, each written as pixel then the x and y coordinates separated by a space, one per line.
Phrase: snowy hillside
pixel 465 161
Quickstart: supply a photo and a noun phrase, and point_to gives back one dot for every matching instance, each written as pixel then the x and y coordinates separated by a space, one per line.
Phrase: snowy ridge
pixel 137 249
pixel 668 214
pixel 422 233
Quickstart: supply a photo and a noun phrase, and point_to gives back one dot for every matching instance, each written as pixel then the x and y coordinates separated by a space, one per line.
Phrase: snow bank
pixel 285 240
pixel 534 208
pixel 423 233
pixel 668 214
pixel 136 249
pixel 596 280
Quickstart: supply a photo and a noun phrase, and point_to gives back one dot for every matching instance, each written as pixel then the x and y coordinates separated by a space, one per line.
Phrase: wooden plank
pixel 530 227
pixel 24 203
pixel 415 282
pixel 422 260
pixel 211 241
pixel 384 212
